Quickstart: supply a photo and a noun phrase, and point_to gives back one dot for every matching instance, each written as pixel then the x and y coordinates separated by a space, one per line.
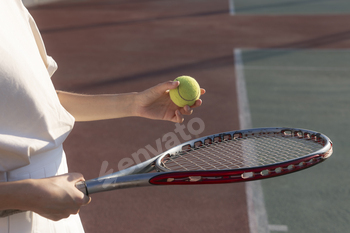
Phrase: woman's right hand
pixel 56 197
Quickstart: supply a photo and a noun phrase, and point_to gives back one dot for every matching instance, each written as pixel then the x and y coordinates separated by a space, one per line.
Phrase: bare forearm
pixel 13 194
pixel 98 107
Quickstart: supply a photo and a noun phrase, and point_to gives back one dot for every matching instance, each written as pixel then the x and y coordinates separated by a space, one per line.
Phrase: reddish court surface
pixel 130 45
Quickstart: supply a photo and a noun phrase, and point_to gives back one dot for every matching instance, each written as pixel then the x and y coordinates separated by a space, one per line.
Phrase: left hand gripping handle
pixel 80 185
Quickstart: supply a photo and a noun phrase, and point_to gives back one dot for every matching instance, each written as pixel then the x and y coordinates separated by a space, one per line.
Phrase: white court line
pixel 297 68
pixel 245 119
pixel 257 215
pixel 231 5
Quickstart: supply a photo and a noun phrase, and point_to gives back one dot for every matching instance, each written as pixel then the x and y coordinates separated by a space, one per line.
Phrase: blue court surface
pixel 304 89
pixel 282 7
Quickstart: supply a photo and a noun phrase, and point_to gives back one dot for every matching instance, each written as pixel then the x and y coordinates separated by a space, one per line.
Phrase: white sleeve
pixel 50 63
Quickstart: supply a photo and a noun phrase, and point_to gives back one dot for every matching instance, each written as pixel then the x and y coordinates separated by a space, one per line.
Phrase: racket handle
pixel 81 186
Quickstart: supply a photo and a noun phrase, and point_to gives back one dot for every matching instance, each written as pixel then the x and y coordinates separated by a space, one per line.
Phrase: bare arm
pixel 153 103
pixel 98 107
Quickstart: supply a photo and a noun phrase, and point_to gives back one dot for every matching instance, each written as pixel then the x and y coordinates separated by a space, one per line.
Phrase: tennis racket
pixel 229 157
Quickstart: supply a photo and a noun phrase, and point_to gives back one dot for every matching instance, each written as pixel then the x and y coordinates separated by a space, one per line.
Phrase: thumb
pixel 172 84
pixel 74 177
pixel 163 87
pixel 84 198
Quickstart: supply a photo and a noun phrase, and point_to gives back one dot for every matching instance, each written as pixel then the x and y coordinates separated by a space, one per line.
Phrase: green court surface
pixel 305 89
pixel 291 6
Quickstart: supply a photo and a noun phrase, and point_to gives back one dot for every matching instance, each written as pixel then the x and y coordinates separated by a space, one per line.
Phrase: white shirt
pixel 32 119
pixel 33 123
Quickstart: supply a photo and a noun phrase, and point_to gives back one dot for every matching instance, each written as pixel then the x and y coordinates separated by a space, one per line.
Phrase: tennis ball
pixel 186 93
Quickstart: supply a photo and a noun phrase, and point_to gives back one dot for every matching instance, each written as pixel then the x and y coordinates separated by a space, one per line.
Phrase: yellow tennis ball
pixel 186 93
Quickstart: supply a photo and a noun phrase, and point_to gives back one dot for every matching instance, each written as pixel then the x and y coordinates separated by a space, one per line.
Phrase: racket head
pixel 243 155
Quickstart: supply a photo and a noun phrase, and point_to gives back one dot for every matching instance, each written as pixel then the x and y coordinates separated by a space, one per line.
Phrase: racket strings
pixel 241 153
